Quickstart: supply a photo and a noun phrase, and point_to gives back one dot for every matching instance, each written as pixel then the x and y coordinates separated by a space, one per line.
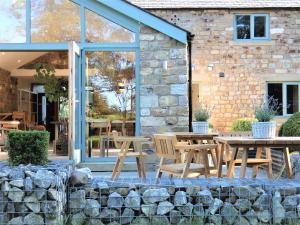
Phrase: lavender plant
pixel 268 110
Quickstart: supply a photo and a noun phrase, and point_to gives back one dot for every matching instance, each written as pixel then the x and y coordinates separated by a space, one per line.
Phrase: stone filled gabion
pixel 106 202
pixel 34 194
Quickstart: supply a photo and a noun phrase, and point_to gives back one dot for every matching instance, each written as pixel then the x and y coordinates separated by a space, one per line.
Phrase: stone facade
pixel 247 66
pixel 163 83
pixel 8 92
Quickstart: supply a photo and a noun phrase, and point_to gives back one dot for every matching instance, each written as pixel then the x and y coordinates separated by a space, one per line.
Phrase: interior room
pixel 34 96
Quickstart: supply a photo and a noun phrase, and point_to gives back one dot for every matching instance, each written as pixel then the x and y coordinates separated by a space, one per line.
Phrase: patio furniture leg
pixel 189 158
pixel 101 145
pixel 138 167
pixel 256 167
pixel 244 163
pixel 159 173
pixel 118 170
pixel 232 163
pixel 269 156
pixel 115 169
pixel 206 163
pixel 221 148
pixel 287 161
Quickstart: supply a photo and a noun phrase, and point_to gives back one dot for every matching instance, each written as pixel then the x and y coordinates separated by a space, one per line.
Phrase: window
pixel 100 29
pixel 12 21
pixel 55 21
pixel 251 27
pixel 288 96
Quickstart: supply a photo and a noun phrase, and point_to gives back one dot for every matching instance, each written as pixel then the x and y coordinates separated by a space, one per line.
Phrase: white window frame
pixel 252 19
pixel 284 96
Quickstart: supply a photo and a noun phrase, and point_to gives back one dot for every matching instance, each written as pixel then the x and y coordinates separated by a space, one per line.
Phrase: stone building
pixel 233 74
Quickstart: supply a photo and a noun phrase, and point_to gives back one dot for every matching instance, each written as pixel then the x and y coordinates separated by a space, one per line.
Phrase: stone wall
pixel 8 92
pixel 164 83
pixel 34 194
pixel 190 201
pixel 247 66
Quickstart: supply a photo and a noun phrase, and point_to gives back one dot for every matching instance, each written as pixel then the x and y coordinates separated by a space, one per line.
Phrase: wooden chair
pixel 104 133
pixel 22 117
pixel 39 128
pixel 168 149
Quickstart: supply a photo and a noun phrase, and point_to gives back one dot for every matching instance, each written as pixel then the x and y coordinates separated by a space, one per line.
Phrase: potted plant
pixel 264 127
pixel 201 124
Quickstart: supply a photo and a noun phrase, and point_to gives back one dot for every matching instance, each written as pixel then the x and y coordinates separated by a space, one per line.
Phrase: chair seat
pixel 132 154
pixel 178 167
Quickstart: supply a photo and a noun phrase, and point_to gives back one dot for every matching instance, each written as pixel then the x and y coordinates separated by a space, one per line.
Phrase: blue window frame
pixel 251 27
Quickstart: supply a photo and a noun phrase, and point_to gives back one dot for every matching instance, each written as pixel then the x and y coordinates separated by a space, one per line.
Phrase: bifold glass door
pixel 110 101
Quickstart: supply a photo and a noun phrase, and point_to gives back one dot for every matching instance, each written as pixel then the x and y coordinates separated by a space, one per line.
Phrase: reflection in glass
pixel 110 99
pixel 55 21
pixel 99 29
pixel 292 99
pixel 243 27
pixel 12 21
pixel 259 26
pixel 275 92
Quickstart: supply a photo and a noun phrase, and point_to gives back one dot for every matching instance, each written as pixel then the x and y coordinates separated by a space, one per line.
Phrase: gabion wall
pixel 34 194
pixel 196 202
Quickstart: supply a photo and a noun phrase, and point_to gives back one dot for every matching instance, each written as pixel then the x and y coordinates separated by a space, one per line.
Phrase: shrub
pixel 202 114
pixel 267 111
pixel 25 147
pixel 291 127
pixel 243 124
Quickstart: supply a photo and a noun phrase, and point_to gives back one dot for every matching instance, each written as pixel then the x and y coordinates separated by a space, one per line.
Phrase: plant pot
pixel 200 127
pixel 264 130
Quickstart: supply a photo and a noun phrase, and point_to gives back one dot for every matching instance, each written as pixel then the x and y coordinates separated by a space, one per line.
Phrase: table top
pixel 16 122
pixel 253 141
pixel 191 135
pixel 133 139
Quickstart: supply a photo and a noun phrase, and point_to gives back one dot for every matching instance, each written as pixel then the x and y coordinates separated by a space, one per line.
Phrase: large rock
pixel 251 217
pixel 263 202
pixel 149 209
pixel 133 200
pixel 291 202
pixel 16 221
pixel 243 205
pixel 140 221
pixel 108 215
pixel 180 198
pixel 44 178
pixel 264 216
pixel 164 208
pixel 159 220
pixel 204 197
pixel 16 194
pixel 28 184
pixel 77 200
pixel 241 221
pixel 32 203
pixel 217 204
pixel 277 209
pixel 175 217
pixel 127 216
pixel 79 178
pixel 155 195
pixel 186 209
pixel 78 219
pixel 51 208
pixel 92 208
pixel 94 222
pixel 115 200
pixel 229 213
pixel 246 192
pixel 33 219
pixel 17 183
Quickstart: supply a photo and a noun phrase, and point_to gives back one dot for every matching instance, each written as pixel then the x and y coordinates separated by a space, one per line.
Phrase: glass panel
pixel 243 27
pixel 110 100
pixel 259 26
pixel 275 91
pixel 292 99
pixel 55 21
pixel 12 21
pixel 99 29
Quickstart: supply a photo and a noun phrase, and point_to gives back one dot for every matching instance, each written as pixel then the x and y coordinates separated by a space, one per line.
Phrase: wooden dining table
pixel 285 144
pixel 195 137
pixel 13 124
pixel 136 153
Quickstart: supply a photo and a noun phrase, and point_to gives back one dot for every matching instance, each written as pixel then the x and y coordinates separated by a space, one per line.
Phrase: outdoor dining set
pixel 187 154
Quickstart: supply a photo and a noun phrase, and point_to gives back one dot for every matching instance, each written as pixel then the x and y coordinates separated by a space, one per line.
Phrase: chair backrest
pixel 104 125
pixel 39 128
pixel 165 146
pixel 115 134
pixel 19 116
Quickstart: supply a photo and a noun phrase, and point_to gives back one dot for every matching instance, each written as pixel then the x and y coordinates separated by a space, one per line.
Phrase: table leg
pixel 221 148
pixel 287 161
pixel 121 159
pixel 139 148
pixel 269 156
pixel 232 163
pixel 256 167
pixel 138 167
pixel 244 163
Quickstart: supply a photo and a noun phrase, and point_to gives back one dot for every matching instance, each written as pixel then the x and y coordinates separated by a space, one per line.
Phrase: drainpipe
pixel 190 70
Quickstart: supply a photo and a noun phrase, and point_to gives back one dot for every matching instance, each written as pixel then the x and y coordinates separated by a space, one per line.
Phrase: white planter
pixel 265 130
pixel 200 127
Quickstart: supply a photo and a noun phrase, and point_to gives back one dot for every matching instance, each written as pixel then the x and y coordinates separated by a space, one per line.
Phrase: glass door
pixel 110 101
pixel 74 102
